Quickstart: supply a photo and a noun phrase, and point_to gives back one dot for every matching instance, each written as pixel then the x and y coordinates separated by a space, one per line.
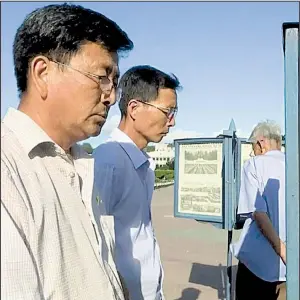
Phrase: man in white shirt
pixel 66 66
pixel 124 175
pixel 261 250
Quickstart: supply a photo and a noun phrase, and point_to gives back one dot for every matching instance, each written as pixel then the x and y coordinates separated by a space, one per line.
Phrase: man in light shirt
pixel 124 175
pixel 66 66
pixel 261 250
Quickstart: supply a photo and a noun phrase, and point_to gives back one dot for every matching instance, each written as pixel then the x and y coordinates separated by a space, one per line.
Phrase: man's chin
pixel 157 139
pixel 96 130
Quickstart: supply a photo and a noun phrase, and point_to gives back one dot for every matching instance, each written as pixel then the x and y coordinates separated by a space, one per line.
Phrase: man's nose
pixel 171 122
pixel 109 99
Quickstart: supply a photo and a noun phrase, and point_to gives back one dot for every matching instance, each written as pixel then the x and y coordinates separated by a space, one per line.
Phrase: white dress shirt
pixel 49 244
pixel 262 189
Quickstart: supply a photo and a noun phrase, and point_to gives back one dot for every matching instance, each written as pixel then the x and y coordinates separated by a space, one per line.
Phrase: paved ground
pixel 193 254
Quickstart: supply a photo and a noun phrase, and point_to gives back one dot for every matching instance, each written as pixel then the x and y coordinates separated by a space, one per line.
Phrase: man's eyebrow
pixel 117 76
pixel 110 69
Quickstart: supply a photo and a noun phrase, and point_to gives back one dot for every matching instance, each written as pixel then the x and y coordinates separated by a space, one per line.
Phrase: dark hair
pixel 143 83
pixel 58 31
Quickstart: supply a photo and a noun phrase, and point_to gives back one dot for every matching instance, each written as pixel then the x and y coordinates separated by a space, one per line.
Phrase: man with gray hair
pixel 261 250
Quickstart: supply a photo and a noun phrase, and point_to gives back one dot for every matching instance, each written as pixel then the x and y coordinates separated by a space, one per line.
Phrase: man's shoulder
pixel 11 149
pixel 108 149
pixel 270 160
pixel 5 132
pixel 109 152
pixel 14 173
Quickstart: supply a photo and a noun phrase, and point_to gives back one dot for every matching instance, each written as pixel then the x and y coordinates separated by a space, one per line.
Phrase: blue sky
pixel 228 57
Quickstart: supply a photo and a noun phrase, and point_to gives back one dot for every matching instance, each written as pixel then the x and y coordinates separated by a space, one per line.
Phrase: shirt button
pixel 72 174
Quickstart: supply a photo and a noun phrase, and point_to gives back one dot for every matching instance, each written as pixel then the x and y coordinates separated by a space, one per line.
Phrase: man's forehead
pixel 97 57
pixel 108 63
pixel 113 69
pixel 167 96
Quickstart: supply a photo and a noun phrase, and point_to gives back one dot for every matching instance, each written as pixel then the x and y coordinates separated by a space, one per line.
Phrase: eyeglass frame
pixel 254 143
pixel 106 91
pixel 166 110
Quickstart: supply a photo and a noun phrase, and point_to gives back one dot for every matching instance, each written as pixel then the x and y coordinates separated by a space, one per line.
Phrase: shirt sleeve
pixel 19 272
pixel 250 199
pixel 109 183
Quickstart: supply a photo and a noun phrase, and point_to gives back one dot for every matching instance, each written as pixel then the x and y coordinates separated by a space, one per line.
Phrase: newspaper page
pixel 200 179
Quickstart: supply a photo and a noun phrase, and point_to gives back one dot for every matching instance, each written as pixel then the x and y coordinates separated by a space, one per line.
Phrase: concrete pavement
pixel 193 254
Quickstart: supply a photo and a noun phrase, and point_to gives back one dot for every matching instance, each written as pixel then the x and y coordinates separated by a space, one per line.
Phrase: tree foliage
pixel 88 148
pixel 149 149
pixel 206 155
pixel 170 164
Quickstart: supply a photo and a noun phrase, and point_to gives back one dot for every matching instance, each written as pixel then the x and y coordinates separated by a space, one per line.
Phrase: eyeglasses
pixel 106 85
pixel 170 112
pixel 255 144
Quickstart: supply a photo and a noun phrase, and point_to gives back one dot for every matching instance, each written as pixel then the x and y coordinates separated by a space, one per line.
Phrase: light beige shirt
pixel 50 246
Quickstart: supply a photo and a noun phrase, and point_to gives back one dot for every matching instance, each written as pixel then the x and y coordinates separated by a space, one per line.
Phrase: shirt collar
pixel 274 153
pixel 30 135
pixel 26 130
pixel 137 156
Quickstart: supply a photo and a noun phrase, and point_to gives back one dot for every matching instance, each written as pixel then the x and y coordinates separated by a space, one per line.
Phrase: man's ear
pixel 132 108
pixel 39 72
pixel 261 144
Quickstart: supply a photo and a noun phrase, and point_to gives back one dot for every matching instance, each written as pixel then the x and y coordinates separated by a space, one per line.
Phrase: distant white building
pixel 162 154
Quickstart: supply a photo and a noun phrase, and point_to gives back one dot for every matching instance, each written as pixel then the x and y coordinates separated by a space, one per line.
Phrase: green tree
pixel 149 149
pixel 88 148
pixel 171 164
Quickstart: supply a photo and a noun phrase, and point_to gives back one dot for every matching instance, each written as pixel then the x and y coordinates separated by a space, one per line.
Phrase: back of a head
pixel 143 83
pixel 269 130
pixel 58 31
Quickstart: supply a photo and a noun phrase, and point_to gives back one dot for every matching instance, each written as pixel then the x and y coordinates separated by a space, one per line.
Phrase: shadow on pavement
pixel 189 294
pixel 212 276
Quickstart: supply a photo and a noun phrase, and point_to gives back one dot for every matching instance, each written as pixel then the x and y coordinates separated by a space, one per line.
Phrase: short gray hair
pixel 268 129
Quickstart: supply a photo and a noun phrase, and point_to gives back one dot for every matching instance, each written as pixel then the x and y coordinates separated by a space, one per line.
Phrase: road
pixel 193 254
pixel 197 168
